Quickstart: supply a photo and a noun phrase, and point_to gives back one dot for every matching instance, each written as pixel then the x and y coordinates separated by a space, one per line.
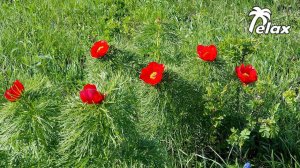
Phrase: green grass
pixel 185 121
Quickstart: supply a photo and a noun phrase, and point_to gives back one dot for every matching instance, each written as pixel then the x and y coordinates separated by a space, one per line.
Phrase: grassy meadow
pixel 200 115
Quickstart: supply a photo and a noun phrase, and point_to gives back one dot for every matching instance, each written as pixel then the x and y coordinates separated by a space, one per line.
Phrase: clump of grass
pixel 28 126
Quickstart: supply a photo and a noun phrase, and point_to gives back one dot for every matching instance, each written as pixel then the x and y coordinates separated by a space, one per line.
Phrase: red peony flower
pixel 99 49
pixel 14 92
pixel 247 74
pixel 207 53
pixel 153 73
pixel 90 95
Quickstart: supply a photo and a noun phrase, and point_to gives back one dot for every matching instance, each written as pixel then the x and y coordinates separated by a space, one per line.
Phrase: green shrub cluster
pixel 200 115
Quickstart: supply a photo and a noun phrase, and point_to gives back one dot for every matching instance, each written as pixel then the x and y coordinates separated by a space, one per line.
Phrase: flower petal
pixel 247 74
pixel 90 86
pixel 8 96
pixel 99 49
pixel 90 95
pixel 83 96
pixel 19 85
pixel 147 71
pixel 97 97
pixel 207 53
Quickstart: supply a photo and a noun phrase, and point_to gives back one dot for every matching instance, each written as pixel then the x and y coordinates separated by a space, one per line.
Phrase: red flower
pixel 153 73
pixel 90 95
pixel 14 92
pixel 247 74
pixel 99 49
pixel 207 53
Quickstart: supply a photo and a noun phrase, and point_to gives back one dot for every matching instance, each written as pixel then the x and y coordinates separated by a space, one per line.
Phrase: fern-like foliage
pixel 28 131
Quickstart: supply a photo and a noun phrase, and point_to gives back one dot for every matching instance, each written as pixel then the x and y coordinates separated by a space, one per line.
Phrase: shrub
pixel 28 126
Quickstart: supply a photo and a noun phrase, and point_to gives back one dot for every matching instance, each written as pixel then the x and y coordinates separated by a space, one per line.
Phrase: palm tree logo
pixel 264 14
